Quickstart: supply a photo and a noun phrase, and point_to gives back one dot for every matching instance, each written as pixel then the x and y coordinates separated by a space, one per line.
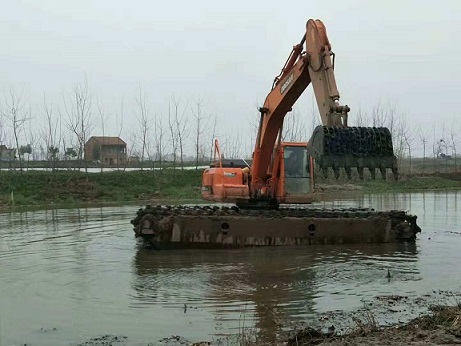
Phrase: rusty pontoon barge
pixel 168 227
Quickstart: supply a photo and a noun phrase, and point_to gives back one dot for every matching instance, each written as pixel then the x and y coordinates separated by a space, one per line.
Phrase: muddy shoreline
pixel 439 324
pixel 441 327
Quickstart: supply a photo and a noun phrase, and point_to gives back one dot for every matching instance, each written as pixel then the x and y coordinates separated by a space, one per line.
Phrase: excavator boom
pixel 333 144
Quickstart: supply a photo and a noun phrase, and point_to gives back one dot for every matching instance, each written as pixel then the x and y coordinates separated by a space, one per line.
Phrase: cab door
pixel 296 175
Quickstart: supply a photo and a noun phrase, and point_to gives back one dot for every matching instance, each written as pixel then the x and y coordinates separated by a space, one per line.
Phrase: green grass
pixel 412 183
pixel 41 188
pixel 37 189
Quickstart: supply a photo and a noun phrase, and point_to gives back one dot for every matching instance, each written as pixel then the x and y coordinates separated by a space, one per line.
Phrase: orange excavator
pixel 282 174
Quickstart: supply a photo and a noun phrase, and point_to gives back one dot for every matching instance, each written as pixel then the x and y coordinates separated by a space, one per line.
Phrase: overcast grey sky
pixel 406 52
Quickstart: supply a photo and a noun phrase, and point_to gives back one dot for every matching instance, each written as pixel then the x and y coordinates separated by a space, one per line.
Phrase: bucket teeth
pixel 353 147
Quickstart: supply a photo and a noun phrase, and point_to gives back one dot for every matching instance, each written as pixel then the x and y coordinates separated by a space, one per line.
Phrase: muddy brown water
pixel 67 276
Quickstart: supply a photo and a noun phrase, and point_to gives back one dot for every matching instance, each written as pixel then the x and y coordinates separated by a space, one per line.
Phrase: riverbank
pixel 386 320
pixel 73 188
pixel 406 183
pixel 38 189
pixel 441 326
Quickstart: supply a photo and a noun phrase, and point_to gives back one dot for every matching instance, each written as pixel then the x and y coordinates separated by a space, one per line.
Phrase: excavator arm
pixel 301 69
pixel 333 144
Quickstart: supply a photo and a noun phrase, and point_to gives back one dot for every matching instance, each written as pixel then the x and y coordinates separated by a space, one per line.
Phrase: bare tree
pixel 437 150
pixel 102 117
pixel 159 140
pixel 399 135
pixel 443 143
pixel 143 120
pixel 42 151
pixel 199 130
pixel 2 128
pixel 79 117
pixel 387 115
pixel 32 141
pixel 50 133
pixel 424 137
pixel 119 123
pixel 408 139
pixel 173 134
pixel 378 115
pixel 453 140
pixel 28 149
pixel 202 153
pixel 16 113
pixel 232 145
pixel 294 127
pixel 53 156
pixel 177 124
pixel 130 149
pixel 5 138
pixel 213 135
pixel 361 119
pixel 182 129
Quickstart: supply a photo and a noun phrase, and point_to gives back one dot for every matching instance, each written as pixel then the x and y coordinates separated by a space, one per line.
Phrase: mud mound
pixel 452 176
pixel 338 187
pixel 79 188
pixel 105 340
pixel 443 327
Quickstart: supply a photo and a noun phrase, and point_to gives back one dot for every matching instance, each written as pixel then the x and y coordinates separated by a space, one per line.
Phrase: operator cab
pixel 296 170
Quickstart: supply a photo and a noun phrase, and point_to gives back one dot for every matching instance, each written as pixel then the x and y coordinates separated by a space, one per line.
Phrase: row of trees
pixel 409 140
pixel 59 131
pixel 40 133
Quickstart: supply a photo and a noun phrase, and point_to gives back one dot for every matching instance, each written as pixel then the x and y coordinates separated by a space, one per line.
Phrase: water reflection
pixel 275 288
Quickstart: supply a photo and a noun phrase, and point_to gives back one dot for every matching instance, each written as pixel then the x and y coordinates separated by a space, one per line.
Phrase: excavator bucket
pixel 353 147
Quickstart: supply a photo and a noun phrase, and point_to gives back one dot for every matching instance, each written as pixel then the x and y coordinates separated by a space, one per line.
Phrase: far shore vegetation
pixel 72 188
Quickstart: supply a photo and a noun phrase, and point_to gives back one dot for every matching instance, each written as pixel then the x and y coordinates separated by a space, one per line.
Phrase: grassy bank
pixel 436 181
pixel 406 183
pixel 40 188
pixel 73 188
